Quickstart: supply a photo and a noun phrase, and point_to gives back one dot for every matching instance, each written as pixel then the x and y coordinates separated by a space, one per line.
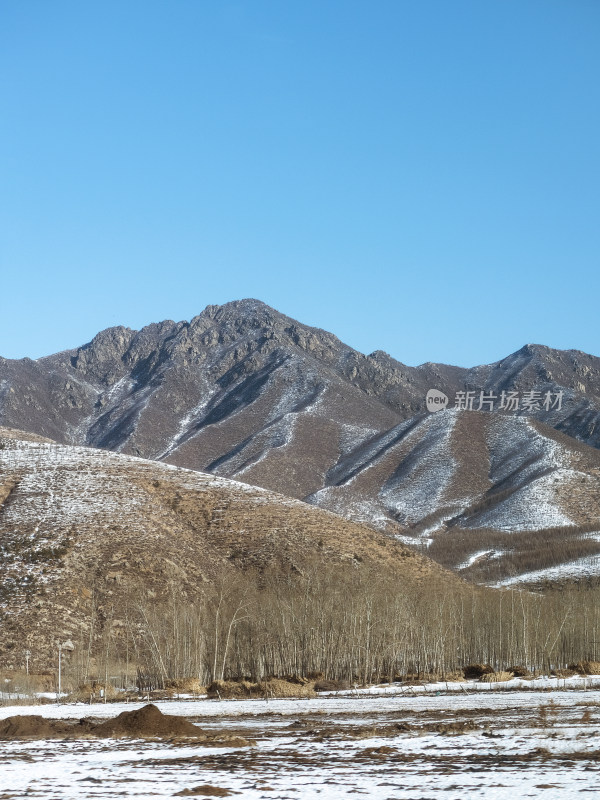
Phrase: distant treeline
pixel 520 551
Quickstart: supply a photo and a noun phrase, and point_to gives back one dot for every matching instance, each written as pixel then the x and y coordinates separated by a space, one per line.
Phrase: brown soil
pixel 449 728
pixel 144 723
pixel 376 752
pixel 205 791
pixel 147 722
pixel 33 726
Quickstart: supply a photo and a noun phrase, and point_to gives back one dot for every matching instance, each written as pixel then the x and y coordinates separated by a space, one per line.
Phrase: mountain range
pixel 501 494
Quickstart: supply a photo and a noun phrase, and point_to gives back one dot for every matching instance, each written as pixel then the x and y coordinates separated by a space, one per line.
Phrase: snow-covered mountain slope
pixel 247 393
pixel 84 532
pixel 490 496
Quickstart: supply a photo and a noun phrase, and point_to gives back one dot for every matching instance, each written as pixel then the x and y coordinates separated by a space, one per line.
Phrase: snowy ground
pixel 501 744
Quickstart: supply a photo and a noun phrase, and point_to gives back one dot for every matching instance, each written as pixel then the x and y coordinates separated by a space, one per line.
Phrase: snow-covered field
pixel 496 744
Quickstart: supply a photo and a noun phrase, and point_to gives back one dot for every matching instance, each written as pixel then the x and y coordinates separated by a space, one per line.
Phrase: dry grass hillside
pixel 85 533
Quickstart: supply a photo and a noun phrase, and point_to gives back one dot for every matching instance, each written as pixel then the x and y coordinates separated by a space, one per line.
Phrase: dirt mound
pixel 273 687
pixel 147 722
pixel 497 677
pixel 34 726
pixel 206 790
pixel 144 723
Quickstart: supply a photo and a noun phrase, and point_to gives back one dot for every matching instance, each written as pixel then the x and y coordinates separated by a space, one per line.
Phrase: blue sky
pixel 418 177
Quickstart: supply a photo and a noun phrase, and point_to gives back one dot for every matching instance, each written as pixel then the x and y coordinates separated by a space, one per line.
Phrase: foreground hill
pixel 84 534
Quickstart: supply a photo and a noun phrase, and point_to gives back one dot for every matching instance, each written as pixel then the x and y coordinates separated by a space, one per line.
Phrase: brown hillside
pixel 83 531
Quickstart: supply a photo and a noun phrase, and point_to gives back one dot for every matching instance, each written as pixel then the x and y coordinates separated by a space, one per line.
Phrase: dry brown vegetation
pixel 521 551
pixel 586 667
pixel 270 688
pixel 175 576
pixel 344 628
pixel 497 677
pixel 91 540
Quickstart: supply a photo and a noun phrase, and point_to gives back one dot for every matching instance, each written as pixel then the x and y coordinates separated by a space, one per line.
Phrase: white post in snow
pixel 68 645
pixel 59 667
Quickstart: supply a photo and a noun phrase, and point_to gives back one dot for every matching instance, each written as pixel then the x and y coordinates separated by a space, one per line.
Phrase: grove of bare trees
pixel 359 625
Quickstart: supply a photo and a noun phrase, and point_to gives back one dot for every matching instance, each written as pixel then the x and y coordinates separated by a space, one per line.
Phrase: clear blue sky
pixel 420 177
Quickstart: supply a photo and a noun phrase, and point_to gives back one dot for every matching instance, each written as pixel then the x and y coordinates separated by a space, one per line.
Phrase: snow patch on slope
pixel 479 555
pixel 183 429
pixel 366 511
pixel 417 487
pixel 532 465
pixel 587 566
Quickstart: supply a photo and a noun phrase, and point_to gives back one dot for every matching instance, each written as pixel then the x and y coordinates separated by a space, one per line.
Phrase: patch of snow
pixel 417 487
pixel 353 436
pixel 183 429
pixel 533 465
pixel 586 566
pixel 479 555
pixel 369 454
